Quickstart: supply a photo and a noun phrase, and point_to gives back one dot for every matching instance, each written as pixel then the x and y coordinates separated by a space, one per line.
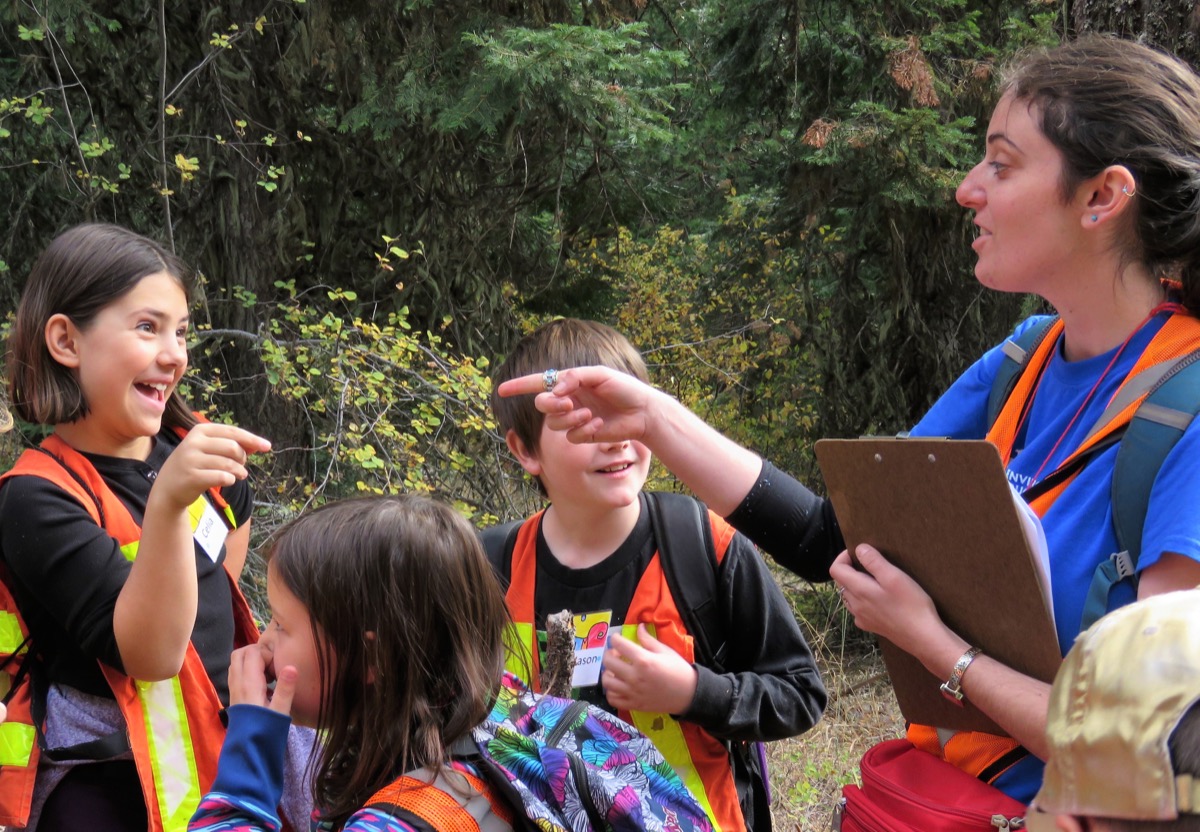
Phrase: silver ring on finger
pixel 549 379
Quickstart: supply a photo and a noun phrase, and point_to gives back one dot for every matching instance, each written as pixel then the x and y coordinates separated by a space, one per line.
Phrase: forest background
pixel 382 196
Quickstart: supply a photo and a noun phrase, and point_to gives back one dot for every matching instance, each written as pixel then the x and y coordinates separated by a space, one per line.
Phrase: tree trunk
pixel 1171 25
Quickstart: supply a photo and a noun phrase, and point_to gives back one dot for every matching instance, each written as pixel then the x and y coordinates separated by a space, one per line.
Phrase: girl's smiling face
pixel 289 640
pixel 128 361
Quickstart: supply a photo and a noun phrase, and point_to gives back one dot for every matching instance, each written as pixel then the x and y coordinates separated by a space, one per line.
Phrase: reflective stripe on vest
pixel 17 737
pixel 172 757
pixel 174 726
pixel 12 640
pixel 19 752
pixel 517 658
pixel 700 759
pixel 667 736
pixel 16 743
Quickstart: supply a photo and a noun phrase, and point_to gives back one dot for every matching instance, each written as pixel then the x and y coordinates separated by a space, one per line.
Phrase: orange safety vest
pixel 441 806
pixel 986 755
pixel 700 759
pixel 174 726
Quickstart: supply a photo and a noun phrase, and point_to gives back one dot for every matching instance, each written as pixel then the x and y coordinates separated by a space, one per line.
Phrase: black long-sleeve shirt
pixel 790 523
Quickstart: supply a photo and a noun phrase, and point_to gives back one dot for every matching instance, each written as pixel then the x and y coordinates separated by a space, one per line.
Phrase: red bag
pixel 908 790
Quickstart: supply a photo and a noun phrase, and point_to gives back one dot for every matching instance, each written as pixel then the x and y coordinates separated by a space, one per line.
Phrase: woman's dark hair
pixel 1104 101
pixel 409 623
pixel 83 270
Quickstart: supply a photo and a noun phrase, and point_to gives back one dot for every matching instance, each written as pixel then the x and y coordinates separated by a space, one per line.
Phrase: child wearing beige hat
pixel 1124 724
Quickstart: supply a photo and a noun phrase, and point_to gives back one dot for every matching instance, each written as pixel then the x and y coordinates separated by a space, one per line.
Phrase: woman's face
pixel 1029 238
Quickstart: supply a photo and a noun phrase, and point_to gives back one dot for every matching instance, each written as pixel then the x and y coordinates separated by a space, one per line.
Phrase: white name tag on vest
pixel 209 529
pixel 591 640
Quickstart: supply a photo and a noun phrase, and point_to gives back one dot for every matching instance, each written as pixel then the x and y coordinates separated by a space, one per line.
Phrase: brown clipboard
pixel 942 510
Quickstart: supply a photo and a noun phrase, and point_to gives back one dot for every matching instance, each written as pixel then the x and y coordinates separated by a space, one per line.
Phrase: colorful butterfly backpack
pixel 577 767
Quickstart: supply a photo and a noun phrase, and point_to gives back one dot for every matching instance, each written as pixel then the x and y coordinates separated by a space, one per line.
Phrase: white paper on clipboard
pixel 1031 524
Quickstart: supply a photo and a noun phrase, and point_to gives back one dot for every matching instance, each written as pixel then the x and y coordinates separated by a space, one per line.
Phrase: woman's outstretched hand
pixel 592 404
pixel 600 404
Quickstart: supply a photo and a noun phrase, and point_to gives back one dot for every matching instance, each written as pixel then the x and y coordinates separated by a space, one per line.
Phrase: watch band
pixel 952 687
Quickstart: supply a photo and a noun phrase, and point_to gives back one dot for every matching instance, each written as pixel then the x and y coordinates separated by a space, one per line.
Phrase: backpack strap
pixel 498 544
pixel 1017 351
pixel 1156 426
pixel 682 529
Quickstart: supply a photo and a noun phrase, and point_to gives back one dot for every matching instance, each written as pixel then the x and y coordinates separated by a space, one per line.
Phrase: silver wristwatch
pixel 952 687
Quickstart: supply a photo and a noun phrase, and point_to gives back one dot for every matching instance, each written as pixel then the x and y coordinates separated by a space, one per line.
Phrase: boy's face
pixel 600 475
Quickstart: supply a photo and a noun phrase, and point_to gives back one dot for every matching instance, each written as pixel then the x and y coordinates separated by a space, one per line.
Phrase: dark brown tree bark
pixel 1173 25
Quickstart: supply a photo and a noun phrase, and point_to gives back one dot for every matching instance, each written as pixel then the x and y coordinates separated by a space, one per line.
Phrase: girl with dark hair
pixel 1088 196
pixel 386 635
pixel 121 539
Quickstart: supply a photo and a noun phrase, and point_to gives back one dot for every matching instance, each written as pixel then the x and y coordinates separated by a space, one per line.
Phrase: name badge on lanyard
pixel 208 529
pixel 591 639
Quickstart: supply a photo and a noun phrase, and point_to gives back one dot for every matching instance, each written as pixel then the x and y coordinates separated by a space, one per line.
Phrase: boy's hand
pixel 248 681
pixel 210 456
pixel 646 675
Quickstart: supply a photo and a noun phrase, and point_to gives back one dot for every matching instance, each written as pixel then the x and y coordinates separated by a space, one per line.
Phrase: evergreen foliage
pixel 759 192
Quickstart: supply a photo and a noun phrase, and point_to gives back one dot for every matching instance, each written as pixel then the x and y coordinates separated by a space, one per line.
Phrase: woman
pixel 1088 193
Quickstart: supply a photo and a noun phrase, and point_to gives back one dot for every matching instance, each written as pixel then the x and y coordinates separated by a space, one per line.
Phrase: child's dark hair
pixel 82 271
pixel 559 345
pixel 409 623
pixel 1104 101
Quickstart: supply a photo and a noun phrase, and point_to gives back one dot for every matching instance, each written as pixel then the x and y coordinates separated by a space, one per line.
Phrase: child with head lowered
pixel 594 551
pixel 1123 728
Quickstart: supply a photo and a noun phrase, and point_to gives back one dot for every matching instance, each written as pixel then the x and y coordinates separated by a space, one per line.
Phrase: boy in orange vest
pixel 593 551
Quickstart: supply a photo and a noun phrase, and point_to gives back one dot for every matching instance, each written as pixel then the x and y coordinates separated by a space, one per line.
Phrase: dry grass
pixel 808 772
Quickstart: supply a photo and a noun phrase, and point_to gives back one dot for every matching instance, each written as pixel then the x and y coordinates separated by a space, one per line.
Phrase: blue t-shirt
pixel 1078 526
